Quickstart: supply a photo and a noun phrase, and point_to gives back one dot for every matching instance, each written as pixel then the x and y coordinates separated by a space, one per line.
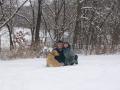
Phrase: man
pixel 59 48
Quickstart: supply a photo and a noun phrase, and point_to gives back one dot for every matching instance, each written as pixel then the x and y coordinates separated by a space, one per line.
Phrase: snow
pixel 87 7
pixel 85 17
pixel 4 34
pixel 92 73
pixel 82 1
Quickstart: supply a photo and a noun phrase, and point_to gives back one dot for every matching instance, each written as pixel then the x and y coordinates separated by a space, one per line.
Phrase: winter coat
pixel 69 56
pixel 61 57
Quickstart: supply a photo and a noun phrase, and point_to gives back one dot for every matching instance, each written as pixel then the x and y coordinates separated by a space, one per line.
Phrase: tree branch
pixel 11 17
pixel 24 18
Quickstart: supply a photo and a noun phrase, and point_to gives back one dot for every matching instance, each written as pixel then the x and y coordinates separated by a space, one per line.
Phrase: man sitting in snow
pixel 65 55
pixel 59 49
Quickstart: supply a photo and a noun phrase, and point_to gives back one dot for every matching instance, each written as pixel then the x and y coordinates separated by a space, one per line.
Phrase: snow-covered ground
pixel 92 73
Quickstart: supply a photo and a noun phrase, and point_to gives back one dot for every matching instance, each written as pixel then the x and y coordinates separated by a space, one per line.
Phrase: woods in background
pixel 91 26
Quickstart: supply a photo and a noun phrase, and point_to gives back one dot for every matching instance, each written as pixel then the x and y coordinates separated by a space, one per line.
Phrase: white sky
pixel 27 4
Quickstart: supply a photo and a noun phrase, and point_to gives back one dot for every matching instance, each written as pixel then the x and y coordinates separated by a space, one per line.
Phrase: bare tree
pixel 37 38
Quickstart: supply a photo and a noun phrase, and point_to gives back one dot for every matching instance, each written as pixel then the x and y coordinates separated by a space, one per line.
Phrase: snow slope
pixel 92 73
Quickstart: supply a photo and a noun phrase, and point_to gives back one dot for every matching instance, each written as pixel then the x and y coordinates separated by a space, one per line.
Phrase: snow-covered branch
pixel 81 1
pixel 24 17
pixel 87 8
pixel 11 17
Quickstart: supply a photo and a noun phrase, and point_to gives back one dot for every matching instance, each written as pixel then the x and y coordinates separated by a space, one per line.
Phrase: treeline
pixel 92 26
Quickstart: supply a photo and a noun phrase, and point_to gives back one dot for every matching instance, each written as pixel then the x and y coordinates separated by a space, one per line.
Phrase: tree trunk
pixel 37 38
pixel 77 26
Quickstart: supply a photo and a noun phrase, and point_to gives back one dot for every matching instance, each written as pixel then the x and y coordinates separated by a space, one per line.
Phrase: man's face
pixel 60 45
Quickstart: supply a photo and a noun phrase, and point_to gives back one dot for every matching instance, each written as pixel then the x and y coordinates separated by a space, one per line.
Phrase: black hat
pixel 59 41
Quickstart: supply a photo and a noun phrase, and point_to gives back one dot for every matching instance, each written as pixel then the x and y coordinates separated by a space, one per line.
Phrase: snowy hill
pixel 92 73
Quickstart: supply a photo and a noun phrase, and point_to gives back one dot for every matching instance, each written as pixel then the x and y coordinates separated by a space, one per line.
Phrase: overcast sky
pixel 27 4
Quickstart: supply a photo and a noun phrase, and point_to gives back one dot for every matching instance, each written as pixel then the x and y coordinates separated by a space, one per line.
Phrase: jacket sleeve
pixel 72 53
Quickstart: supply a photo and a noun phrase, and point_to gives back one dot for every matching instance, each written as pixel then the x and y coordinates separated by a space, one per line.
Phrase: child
pixel 70 57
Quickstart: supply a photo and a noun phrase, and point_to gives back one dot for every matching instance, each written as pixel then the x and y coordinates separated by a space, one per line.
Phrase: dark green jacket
pixel 61 57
